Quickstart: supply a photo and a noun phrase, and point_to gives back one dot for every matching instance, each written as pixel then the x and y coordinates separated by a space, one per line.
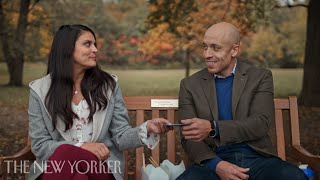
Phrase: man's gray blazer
pixel 252 110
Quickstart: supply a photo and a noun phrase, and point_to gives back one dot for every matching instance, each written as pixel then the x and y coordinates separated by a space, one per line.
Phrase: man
pixel 229 106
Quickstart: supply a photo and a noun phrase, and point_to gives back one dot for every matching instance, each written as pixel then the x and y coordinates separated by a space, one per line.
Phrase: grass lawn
pixel 139 82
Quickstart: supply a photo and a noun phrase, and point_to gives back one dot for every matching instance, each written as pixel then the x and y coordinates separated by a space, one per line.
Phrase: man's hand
pixel 227 171
pixel 98 149
pixel 156 126
pixel 198 129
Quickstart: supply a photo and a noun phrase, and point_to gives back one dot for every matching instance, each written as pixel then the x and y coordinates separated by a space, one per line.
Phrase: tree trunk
pixel 14 56
pixel 187 61
pixel 15 67
pixel 310 95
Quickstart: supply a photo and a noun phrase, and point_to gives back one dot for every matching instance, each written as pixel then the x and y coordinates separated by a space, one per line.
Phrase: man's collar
pixel 232 72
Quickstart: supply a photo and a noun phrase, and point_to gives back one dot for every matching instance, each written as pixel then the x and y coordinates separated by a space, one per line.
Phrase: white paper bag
pixel 152 173
pixel 173 171
pixel 166 171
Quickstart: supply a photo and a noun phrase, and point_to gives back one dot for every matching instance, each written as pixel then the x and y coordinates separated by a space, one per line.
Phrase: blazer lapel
pixel 99 118
pixel 239 82
pixel 61 129
pixel 209 89
pixel 41 87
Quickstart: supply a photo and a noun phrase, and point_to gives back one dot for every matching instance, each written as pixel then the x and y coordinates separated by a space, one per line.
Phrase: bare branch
pixel 227 10
pixel 35 2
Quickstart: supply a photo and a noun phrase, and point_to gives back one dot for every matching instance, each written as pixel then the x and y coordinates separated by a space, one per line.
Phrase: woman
pixel 77 118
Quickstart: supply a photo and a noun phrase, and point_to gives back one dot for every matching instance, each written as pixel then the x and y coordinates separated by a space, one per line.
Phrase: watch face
pixel 212 132
pixel 213 129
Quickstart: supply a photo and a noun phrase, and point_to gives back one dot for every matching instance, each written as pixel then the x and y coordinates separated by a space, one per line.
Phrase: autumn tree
pixel 281 42
pixel 13 43
pixel 310 94
pixel 38 35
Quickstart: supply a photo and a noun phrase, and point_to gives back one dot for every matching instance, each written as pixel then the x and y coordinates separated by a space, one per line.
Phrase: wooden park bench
pixel 141 105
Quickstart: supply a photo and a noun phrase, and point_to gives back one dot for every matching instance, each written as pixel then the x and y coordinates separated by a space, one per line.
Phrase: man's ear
pixel 235 50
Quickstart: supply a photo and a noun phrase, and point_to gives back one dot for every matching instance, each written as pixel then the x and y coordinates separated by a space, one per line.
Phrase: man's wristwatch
pixel 212 133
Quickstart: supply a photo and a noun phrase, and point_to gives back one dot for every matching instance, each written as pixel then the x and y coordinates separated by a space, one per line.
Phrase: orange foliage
pixel 190 30
pixel 158 39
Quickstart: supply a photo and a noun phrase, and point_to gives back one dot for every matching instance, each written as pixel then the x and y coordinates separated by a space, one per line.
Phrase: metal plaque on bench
pixel 162 103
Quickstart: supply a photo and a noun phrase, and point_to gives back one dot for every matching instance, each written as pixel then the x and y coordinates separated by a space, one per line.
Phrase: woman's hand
pixel 156 126
pixel 98 149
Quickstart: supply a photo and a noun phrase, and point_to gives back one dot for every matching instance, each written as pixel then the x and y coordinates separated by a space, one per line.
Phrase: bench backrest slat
pixel 156 151
pixel 280 134
pixel 171 138
pixel 139 151
pixel 294 118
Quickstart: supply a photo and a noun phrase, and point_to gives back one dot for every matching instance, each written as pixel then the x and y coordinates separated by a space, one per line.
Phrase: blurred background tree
pixel 286 47
pixel 290 44
pixel 13 27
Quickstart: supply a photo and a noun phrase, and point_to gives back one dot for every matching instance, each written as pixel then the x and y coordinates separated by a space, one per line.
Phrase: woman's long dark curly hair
pixel 94 84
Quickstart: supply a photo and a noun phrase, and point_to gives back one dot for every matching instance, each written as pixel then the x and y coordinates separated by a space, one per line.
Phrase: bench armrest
pixel 305 156
pixel 23 154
